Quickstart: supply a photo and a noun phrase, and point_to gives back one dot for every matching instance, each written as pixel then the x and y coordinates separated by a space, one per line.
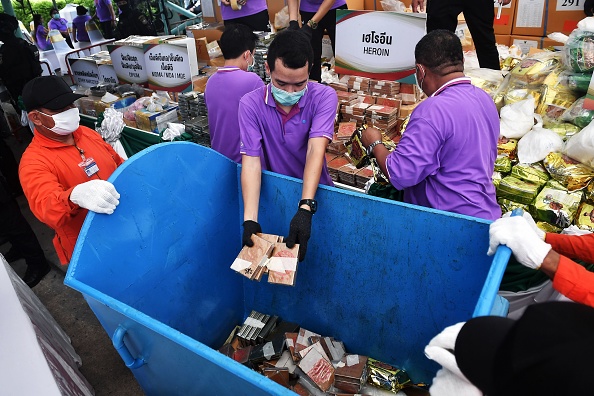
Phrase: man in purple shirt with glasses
pixel 446 156
pixel 289 123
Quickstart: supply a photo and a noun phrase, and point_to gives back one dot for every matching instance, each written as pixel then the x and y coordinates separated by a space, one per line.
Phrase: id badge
pixel 89 166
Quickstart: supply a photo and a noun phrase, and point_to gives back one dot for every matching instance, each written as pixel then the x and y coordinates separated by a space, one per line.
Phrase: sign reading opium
pixel 128 63
pixel 377 44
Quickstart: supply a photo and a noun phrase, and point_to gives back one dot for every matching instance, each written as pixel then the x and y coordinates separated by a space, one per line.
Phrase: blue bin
pixel 384 277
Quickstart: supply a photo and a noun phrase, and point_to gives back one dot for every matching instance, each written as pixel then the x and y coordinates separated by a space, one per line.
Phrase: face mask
pixel 65 122
pixel 285 98
pixel 56 16
pixel 420 84
pixel 250 67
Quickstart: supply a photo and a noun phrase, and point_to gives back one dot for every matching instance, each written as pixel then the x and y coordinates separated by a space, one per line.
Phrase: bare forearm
pixel 293 9
pixel 550 264
pixel 314 163
pixel 323 10
pixel 251 177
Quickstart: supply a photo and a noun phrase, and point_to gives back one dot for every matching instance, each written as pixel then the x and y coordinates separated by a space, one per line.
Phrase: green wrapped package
pixel 496 178
pixel 575 81
pixel 546 227
pixel 564 129
pixel 578 51
pixel 577 114
pixel 517 190
pixel 556 207
pixel 507 205
pixel 534 173
pixel 503 164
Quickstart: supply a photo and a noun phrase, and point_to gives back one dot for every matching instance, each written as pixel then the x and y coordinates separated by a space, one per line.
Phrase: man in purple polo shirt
pixel 289 123
pixel 104 12
pixel 446 156
pixel 252 13
pixel 227 86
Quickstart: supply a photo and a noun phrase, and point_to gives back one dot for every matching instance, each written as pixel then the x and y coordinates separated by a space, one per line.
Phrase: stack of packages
pixel 364 101
pixel 269 255
pixel 260 54
pixel 191 104
pixel 198 128
pixel 308 363
pixel 546 169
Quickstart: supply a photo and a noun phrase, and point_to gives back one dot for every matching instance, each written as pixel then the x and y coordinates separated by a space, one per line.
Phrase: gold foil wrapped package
pixel 572 174
pixel 589 193
pixel 554 101
pixel 378 175
pixel 486 79
pixel 509 205
pixel 535 68
pixel 556 207
pixel 508 147
pixel 514 95
pixel 503 164
pixel 534 173
pixel 585 217
pixel 387 377
pixel 517 190
pixel 509 63
pixel 355 149
pixel 546 227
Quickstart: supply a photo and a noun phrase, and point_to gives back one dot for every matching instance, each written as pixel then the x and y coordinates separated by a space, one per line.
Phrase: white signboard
pixel 85 72
pixel 128 63
pixel 107 74
pixel 378 44
pixel 168 67
pixel 570 5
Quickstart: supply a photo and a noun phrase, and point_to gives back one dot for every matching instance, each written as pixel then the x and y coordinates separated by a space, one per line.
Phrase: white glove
pixel 541 234
pixel 449 380
pixel 98 196
pixel 517 234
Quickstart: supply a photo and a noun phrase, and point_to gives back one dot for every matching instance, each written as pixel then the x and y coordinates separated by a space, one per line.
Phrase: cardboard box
pixel 156 122
pixel 564 15
pixel 526 43
pixel 504 24
pixel 274 6
pixel 212 32
pixel 530 18
pixel 503 39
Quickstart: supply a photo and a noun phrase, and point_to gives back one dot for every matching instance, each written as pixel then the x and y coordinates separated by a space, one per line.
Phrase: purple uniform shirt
pixel 250 8
pixel 58 24
pixel 81 31
pixel 446 156
pixel 102 10
pixel 284 142
pixel 314 5
pixel 223 91
pixel 42 40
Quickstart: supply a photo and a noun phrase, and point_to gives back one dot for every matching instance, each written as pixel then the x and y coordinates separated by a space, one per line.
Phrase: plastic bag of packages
pixel 577 114
pixel 536 144
pixel 517 119
pixel 581 146
pixel 578 51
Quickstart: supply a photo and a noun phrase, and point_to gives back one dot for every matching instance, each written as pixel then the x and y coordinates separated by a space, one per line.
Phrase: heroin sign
pixel 377 44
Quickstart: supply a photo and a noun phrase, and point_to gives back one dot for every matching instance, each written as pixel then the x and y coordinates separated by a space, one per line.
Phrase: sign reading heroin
pixel 377 44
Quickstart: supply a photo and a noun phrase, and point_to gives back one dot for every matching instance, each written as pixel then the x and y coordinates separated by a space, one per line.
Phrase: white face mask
pixel 65 122
pixel 420 84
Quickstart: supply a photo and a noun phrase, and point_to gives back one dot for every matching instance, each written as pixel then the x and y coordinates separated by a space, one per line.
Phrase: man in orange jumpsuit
pixel 549 252
pixel 64 170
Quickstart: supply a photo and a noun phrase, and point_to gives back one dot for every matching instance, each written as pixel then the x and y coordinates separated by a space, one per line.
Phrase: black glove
pixel 293 25
pixel 250 227
pixel 307 30
pixel 300 231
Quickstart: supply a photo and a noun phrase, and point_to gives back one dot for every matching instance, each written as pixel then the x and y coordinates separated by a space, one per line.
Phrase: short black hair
pixel 440 51
pixel 293 48
pixel 236 39
pixel 52 11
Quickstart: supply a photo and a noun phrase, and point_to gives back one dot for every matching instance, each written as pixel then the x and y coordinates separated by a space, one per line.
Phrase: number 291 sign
pixel 570 5
pixel 377 44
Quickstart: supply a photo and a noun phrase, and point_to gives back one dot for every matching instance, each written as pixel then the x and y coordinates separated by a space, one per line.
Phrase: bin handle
pixel 486 300
pixel 118 343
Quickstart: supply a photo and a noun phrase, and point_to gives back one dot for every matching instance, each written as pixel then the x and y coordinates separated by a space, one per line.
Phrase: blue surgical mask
pixel 56 16
pixel 250 67
pixel 285 98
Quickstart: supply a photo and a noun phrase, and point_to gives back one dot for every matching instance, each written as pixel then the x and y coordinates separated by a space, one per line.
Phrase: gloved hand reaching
pixel 530 221
pixel 518 235
pixel 250 227
pixel 300 231
pixel 98 196
pixel 293 25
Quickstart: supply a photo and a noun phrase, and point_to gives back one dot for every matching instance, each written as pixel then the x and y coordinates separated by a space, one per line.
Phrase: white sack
pixel 517 119
pixel 580 146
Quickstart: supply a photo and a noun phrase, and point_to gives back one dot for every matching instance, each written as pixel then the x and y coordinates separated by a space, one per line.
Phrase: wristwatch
pixel 312 203
pixel 371 146
pixel 312 24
